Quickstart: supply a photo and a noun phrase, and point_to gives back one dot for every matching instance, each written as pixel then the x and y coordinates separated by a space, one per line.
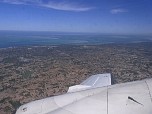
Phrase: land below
pixel 36 72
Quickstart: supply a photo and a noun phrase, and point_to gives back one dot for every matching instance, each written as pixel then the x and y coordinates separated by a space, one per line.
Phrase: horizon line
pixel 72 32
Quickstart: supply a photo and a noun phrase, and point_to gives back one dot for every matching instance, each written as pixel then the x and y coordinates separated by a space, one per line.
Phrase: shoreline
pixel 79 44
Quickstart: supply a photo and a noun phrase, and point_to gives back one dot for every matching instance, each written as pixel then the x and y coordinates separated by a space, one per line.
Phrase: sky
pixel 89 16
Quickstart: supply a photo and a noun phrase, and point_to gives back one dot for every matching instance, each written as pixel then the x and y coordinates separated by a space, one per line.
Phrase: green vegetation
pixel 7 109
pixel 15 104
pixel 10 60
pixel 26 73
pixel 4 99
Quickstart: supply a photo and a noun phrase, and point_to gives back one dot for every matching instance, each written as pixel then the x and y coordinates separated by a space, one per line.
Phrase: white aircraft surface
pixel 96 95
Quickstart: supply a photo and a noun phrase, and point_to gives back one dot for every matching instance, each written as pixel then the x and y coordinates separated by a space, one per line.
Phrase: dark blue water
pixel 15 38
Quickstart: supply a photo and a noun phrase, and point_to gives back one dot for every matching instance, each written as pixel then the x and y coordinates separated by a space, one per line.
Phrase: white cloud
pixel 13 1
pixel 66 6
pixel 118 10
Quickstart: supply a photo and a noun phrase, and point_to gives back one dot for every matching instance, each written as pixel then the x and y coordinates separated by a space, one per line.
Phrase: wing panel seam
pixel 107 100
pixel 149 90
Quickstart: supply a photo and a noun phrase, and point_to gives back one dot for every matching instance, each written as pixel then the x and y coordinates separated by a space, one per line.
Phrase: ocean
pixel 20 38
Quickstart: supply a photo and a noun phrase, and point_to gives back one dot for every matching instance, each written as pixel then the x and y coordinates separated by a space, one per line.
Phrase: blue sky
pixel 97 16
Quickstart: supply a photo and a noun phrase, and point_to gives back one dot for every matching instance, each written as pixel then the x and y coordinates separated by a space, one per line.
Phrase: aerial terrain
pixel 29 73
pixel 46 46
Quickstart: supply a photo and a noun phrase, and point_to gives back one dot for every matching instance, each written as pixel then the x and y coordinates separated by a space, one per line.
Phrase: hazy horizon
pixel 70 32
pixel 29 38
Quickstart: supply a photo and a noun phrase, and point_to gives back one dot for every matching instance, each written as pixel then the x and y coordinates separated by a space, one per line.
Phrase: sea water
pixel 24 38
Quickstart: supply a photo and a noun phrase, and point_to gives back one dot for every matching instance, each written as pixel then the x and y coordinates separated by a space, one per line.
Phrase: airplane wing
pixel 99 80
pixel 128 98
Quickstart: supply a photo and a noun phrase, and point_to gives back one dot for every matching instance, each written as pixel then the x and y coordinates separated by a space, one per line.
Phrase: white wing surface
pixel 127 98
